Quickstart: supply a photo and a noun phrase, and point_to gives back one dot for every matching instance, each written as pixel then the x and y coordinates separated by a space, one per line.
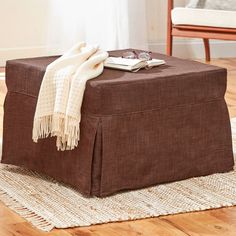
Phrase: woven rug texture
pixel 48 204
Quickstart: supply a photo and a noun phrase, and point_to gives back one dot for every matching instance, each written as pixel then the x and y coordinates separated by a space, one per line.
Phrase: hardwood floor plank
pixel 147 227
pixel 20 229
pixel 203 223
pixel 3 91
pixel 8 217
pixel 228 215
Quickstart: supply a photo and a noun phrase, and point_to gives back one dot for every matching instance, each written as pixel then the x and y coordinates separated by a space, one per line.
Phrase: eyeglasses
pixel 144 56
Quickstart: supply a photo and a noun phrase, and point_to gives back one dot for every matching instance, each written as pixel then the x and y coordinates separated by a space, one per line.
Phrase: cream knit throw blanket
pixel 61 94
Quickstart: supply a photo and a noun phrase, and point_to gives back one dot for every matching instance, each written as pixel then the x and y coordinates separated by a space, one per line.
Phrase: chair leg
pixel 169 47
pixel 207 49
pixel 169 42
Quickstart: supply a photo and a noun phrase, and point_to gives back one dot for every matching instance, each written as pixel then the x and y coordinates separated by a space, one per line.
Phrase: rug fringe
pixel 36 220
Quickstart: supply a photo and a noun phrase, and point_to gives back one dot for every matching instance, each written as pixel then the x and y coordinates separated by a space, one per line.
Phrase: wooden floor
pixel 221 222
pixel 3 91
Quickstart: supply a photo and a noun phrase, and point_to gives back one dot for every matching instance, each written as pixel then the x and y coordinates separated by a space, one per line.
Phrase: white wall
pixel 23 27
pixel 157 17
pixel 23 31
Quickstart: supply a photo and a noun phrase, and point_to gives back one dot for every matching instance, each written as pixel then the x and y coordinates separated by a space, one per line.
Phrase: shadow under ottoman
pixel 138 129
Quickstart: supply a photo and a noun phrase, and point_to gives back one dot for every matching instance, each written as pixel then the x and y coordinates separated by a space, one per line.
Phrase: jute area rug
pixel 48 204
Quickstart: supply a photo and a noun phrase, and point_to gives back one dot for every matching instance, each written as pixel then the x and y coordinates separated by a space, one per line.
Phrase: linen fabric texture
pixel 137 129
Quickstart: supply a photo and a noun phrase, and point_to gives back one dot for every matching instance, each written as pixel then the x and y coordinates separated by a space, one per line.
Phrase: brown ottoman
pixel 138 129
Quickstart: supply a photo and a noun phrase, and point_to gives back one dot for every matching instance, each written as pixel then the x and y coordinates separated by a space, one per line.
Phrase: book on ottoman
pixel 134 65
pixel 137 129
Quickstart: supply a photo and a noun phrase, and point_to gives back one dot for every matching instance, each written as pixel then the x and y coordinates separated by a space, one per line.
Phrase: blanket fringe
pixel 42 127
pixel 72 131
pixel 65 128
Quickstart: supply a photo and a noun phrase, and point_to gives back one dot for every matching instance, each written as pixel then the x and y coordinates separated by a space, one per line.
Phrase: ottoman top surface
pixel 178 82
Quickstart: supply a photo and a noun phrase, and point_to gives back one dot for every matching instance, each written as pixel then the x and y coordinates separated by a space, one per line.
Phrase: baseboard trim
pixel 194 49
pixel 182 48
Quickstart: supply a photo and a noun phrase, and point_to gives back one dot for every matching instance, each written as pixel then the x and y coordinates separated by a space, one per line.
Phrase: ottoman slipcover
pixel 137 129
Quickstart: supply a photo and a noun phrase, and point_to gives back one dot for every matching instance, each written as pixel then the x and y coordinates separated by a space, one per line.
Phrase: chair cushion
pixel 203 17
pixel 228 5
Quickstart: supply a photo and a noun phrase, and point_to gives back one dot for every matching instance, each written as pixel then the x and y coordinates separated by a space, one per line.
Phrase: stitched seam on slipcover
pixel 102 151
pixel 214 70
pixel 155 109
pixel 92 193
pixel 203 73
pixel 22 93
pixel 135 112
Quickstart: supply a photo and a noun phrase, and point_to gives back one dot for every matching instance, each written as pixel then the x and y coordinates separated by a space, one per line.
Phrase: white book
pixel 131 64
